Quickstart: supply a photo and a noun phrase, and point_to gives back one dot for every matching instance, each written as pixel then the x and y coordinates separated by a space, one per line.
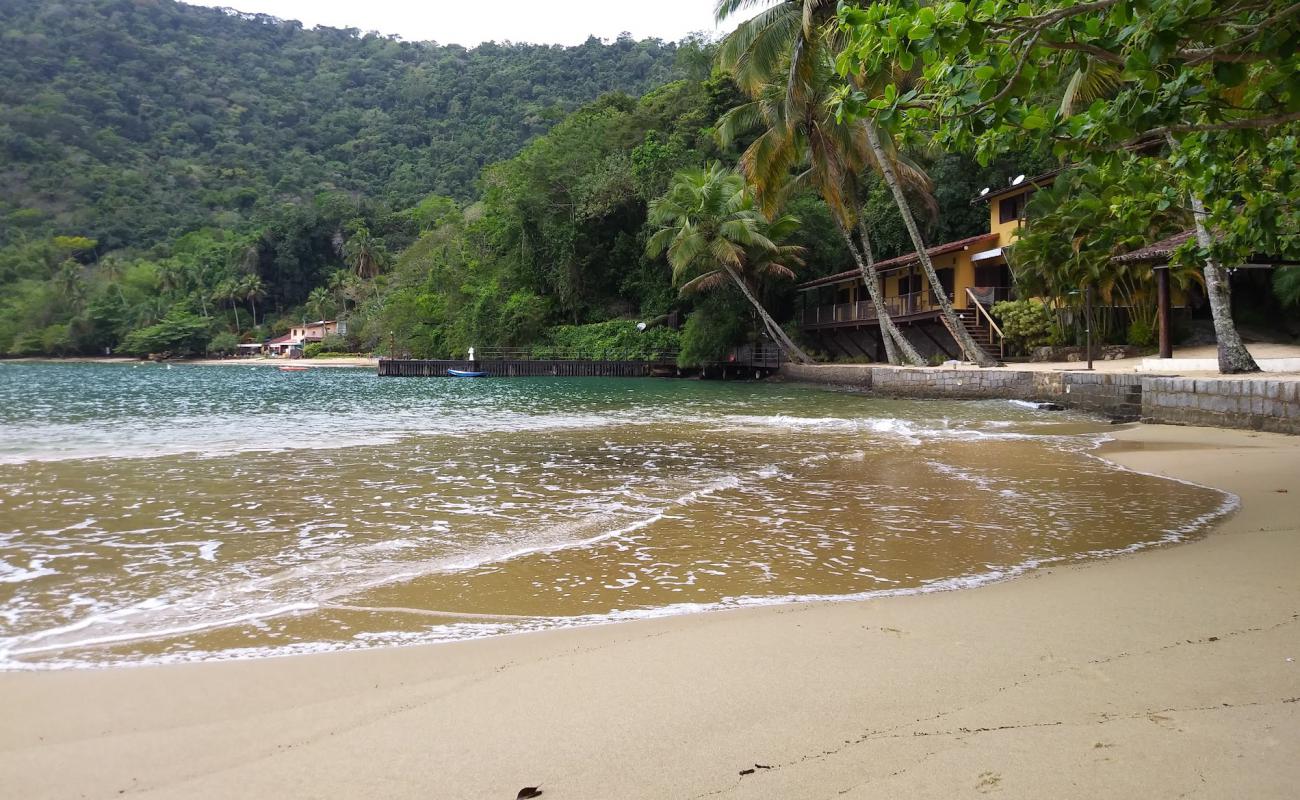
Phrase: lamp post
pixel 1087 323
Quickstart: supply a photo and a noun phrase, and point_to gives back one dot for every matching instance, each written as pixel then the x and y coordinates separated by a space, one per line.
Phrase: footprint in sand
pixel 988 782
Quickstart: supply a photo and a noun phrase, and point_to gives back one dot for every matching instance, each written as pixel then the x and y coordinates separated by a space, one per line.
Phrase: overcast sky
pixel 469 23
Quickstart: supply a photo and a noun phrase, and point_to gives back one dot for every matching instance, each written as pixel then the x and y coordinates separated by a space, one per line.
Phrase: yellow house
pixel 837 311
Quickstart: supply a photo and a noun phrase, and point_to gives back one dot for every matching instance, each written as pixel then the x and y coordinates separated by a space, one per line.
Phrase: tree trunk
pixel 234 306
pixel 253 303
pixel 772 328
pixel 968 346
pixel 897 348
pixel 872 281
pixel 1233 355
pixel 907 352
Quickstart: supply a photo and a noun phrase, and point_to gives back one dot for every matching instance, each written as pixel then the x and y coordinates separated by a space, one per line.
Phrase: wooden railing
pixel 975 296
pixel 865 310
pixel 546 353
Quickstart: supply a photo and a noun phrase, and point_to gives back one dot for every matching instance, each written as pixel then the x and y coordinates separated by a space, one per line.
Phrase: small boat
pixel 294 369
pixel 463 373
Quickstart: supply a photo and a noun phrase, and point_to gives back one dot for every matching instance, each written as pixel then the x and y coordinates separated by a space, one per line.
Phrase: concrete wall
pixel 1261 405
pixel 1267 405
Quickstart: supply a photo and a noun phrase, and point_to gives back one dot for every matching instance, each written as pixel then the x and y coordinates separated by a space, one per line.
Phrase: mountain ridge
pixel 133 121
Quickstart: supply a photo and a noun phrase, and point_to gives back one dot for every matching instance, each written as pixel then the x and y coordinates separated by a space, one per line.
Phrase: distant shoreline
pixel 351 361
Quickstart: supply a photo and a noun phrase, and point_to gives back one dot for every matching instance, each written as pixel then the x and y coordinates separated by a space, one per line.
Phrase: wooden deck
pixel 743 362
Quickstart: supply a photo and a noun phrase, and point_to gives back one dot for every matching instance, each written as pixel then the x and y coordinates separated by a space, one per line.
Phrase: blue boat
pixel 461 373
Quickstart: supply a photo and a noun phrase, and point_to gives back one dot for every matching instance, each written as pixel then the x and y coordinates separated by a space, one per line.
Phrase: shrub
pixel 312 349
pixel 1141 333
pixel 615 340
pixel 1025 323
pixel 334 344
pixel 224 343
pixel 707 336
pixel 180 332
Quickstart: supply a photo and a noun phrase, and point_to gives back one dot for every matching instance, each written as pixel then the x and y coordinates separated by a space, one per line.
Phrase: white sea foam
pixel 323 581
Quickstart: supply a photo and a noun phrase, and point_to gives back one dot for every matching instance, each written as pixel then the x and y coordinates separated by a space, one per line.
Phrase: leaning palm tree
pixel 711 232
pixel 965 341
pixel 789 40
pixel 807 146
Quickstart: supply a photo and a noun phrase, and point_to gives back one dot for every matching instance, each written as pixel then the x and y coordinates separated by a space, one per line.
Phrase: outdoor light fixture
pixel 984 191
pixel 1019 179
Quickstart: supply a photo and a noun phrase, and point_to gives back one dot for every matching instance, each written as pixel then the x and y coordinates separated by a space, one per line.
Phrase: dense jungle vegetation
pixel 180 179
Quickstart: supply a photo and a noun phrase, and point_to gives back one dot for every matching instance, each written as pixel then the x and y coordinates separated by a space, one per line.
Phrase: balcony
pixel 864 311
pixel 902 307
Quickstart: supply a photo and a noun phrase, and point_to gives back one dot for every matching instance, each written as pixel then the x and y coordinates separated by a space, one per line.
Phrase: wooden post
pixel 1088 323
pixel 1163 311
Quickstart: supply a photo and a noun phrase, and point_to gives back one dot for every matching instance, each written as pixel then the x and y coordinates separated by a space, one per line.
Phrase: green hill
pixel 135 121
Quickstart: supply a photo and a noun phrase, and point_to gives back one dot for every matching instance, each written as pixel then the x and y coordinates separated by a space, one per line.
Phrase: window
pixel 947 280
pixel 1011 209
pixel 904 285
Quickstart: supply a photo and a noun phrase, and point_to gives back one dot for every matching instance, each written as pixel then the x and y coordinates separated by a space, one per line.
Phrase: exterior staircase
pixel 983 333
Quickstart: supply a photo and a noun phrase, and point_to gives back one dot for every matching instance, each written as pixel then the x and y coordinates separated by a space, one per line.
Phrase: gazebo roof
pixel 1157 253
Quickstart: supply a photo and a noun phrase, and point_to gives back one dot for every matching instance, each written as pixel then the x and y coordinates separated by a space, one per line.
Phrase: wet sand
pixel 1166 673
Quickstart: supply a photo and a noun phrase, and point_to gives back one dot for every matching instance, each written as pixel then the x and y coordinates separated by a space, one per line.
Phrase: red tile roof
pixel 285 339
pixel 901 261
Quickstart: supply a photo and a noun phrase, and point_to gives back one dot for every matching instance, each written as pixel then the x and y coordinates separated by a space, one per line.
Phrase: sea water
pixel 154 514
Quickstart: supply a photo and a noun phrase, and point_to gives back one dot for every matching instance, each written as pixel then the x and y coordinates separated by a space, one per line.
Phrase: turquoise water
pixel 152 513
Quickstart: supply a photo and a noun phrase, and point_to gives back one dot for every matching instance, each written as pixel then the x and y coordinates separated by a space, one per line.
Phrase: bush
pixel 1025 323
pixel 334 344
pixel 615 340
pixel 224 343
pixel 180 332
pixel 707 336
pixel 312 349
pixel 1141 333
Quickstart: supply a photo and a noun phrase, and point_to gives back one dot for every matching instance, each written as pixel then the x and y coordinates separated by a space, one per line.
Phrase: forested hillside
pixel 134 121
pixel 180 180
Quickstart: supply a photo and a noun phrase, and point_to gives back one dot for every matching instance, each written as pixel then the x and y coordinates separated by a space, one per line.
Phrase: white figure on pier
pixel 471 354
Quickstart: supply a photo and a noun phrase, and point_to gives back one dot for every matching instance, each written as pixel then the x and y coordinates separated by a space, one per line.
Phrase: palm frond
pixel 1092 81
pixel 703 283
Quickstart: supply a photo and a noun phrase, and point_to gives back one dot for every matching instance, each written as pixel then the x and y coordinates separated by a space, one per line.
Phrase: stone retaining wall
pixel 1261 405
pixel 1266 405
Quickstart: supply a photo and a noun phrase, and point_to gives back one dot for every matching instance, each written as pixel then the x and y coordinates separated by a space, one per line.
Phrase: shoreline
pixel 349 361
pixel 1153 673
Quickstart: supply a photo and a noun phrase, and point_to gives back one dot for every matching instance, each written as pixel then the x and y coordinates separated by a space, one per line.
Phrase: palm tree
pixel 710 231
pixel 113 269
pixel 230 291
pixel 830 156
pixel 71 283
pixel 967 343
pixel 788 38
pixel 364 253
pixel 319 303
pixel 253 289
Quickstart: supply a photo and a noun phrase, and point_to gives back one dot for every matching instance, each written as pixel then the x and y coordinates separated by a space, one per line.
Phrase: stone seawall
pixel 1256 404
pixel 1260 405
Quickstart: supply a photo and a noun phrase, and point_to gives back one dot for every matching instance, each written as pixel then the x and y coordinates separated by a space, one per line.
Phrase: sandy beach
pixel 1172 672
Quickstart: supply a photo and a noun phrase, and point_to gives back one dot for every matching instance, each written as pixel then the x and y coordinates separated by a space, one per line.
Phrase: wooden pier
pixel 513 368
pixel 745 363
